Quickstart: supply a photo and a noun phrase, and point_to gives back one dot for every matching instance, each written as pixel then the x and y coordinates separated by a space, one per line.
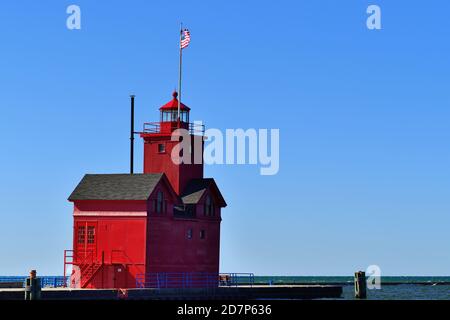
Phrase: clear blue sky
pixel 363 117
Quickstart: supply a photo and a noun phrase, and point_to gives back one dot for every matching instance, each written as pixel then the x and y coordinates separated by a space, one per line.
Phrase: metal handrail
pixel 84 260
pixel 129 261
pixel 71 258
pixel 155 127
pixel 46 281
pixel 162 280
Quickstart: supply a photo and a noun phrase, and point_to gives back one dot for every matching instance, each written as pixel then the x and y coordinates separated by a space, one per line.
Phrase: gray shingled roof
pixel 197 187
pixel 116 187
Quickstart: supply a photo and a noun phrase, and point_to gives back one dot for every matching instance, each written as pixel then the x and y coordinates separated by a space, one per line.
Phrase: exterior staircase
pixel 86 264
pixel 88 271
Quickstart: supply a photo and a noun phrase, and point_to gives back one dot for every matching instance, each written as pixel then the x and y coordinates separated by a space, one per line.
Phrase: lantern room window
pixel 172 116
pixel 184 116
pixel 168 116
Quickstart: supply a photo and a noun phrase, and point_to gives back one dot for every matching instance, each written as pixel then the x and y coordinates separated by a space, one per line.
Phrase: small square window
pixel 161 148
pixel 202 234
pixel 189 234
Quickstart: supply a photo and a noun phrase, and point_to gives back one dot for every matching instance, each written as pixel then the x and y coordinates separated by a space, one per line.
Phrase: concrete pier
pixel 220 293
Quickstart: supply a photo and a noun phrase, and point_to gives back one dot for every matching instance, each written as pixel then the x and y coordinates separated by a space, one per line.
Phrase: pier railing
pixel 46 282
pixel 162 280
pixel 159 280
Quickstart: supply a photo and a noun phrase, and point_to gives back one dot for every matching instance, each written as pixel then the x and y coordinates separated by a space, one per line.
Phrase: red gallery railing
pixel 193 128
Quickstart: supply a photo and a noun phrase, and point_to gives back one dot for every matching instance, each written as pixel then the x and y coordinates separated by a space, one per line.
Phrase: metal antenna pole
pixel 179 79
pixel 132 136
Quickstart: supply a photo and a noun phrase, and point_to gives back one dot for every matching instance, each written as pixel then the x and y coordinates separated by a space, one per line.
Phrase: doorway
pixel 86 240
pixel 120 276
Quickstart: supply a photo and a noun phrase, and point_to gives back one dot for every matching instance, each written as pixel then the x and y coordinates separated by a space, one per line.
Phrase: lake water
pixel 392 288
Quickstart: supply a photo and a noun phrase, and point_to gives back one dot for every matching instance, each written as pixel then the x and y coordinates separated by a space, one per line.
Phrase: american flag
pixel 185 38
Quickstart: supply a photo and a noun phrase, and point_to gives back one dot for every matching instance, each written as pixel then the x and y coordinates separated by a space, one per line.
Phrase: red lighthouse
pixel 165 220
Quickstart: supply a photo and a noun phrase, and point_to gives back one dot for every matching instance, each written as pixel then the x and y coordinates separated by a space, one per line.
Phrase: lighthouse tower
pixel 159 145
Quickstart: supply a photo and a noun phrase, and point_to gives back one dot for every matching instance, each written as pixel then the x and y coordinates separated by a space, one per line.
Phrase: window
pixel 189 234
pixel 209 207
pixel 202 234
pixel 184 116
pixel 169 116
pixel 161 148
pixel 172 116
pixel 81 234
pixel 91 235
pixel 159 202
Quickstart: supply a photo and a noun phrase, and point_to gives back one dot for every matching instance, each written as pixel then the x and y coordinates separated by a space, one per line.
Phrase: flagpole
pixel 179 79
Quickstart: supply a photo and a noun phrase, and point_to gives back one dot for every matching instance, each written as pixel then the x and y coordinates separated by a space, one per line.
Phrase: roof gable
pixel 196 188
pixel 116 187
pixel 167 187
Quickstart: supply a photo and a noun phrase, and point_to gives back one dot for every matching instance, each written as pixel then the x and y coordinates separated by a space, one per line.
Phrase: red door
pixel 86 240
pixel 120 276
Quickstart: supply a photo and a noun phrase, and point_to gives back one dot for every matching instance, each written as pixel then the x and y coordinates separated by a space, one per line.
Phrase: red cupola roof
pixel 173 104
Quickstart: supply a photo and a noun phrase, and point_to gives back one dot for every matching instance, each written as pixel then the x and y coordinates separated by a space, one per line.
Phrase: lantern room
pixel 169 121
pixel 169 115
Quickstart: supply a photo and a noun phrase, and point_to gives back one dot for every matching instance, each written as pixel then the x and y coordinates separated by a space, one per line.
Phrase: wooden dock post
pixel 360 285
pixel 32 287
